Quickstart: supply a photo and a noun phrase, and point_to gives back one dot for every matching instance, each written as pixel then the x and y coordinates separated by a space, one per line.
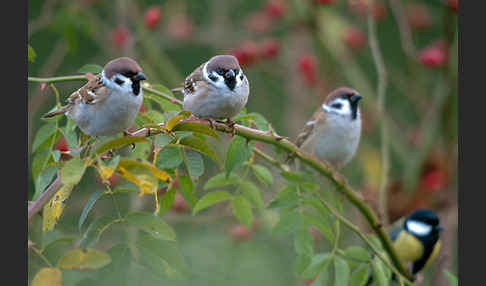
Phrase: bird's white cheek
pixel 419 228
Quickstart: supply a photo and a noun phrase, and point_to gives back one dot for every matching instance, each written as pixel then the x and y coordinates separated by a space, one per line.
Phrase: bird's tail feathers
pixel 55 112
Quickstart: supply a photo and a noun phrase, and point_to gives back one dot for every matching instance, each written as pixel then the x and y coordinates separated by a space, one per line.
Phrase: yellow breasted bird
pixel 417 240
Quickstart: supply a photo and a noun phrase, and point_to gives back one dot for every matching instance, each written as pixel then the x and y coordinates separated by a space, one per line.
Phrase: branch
pixel 321 167
pixel 403 28
pixel 45 197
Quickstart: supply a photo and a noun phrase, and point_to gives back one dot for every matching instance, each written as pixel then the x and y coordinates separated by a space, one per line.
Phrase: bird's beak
pixel 139 76
pixel 229 74
pixel 439 228
pixel 355 97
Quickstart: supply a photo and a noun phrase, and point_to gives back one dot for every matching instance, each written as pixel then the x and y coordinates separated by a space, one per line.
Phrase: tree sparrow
pixel 217 89
pixel 109 102
pixel 334 130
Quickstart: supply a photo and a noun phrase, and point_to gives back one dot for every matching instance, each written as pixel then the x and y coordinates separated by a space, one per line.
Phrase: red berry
pixel 379 11
pixel 418 16
pixel 61 144
pixel 43 85
pixel 142 108
pixel 269 48
pixel 307 67
pixel 180 27
pixel 120 36
pixel 433 55
pixel 240 233
pixel 246 53
pixel 179 204
pixel 452 4
pixel 324 1
pixel 275 9
pixel 152 17
pixel 354 38
pixel 433 180
pixel 258 22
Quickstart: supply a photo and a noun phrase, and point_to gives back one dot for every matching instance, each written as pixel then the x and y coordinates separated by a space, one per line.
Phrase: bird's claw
pixel 231 124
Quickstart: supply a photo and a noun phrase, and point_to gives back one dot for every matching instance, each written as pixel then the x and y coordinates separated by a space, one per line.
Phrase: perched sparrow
pixel 109 102
pixel 417 240
pixel 334 130
pixel 217 89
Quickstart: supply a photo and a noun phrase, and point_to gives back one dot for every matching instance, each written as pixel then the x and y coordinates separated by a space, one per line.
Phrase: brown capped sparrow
pixel 334 130
pixel 216 90
pixel 109 102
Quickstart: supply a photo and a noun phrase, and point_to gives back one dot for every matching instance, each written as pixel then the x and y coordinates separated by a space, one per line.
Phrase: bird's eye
pixel 220 71
pixel 213 77
pixel 119 81
pixel 241 77
pixel 336 105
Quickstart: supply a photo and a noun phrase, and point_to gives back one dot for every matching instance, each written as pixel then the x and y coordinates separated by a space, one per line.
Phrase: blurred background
pixel 293 52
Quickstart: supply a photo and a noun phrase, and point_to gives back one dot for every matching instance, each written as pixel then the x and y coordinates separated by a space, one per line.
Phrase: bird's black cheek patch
pixel 230 82
pixel 136 87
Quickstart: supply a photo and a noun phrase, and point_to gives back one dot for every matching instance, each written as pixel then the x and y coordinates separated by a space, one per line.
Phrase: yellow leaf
pixel 48 276
pixel 83 259
pixel 53 209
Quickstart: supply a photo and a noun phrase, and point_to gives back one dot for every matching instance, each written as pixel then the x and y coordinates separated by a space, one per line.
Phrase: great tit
pixel 417 240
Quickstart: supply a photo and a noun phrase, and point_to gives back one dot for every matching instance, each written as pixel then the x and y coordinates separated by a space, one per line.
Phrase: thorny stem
pixel 45 197
pixel 323 168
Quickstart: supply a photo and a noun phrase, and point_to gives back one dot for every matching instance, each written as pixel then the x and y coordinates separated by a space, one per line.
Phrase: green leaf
pixel 304 242
pixel 301 263
pixel 200 146
pixel 84 259
pixel 293 177
pixel 119 142
pixel 166 200
pixel 30 54
pixel 288 223
pixel 195 127
pixel 242 210
pixel 162 139
pixel 262 174
pixel 169 157
pixel 48 276
pixel 194 163
pixel 43 134
pixel 252 193
pixel 43 180
pixel 186 189
pixel 451 277
pixel 39 162
pixel 321 223
pixel 286 197
pixel 220 180
pixel 95 230
pixel 162 258
pixel 174 120
pixel 72 171
pixel 342 272
pixel 319 263
pixel 237 153
pixel 357 252
pixel 360 275
pixel 91 68
pixel 210 199
pixel 91 201
pixel 379 275
pixel 153 225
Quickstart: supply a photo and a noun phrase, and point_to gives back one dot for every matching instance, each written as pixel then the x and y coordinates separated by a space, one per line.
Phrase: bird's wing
pixel 319 115
pixel 192 80
pixel 93 91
